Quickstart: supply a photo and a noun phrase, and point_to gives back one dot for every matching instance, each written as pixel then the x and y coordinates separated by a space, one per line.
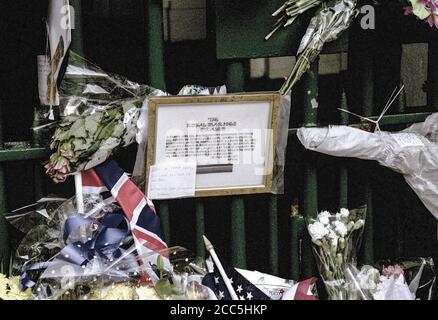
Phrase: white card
pixel 408 140
pixel 172 180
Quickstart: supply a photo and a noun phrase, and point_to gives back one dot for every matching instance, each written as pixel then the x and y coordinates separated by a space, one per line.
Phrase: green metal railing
pixel 300 257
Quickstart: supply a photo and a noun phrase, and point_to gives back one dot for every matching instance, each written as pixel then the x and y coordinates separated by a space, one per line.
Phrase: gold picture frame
pixel 247 99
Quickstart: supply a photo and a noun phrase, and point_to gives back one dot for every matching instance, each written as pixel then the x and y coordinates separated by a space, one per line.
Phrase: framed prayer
pixel 230 138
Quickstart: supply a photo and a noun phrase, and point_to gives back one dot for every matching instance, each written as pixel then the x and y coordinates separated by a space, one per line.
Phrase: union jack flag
pixel 140 211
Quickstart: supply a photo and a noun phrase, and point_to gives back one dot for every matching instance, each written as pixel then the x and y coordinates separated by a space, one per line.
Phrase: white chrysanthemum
pixel 317 230
pixel 324 217
pixel 340 228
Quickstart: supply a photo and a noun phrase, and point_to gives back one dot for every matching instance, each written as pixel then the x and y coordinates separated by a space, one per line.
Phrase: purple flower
pixel 429 12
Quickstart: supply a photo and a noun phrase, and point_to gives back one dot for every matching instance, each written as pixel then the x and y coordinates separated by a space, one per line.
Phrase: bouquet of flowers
pixel 369 283
pixel 332 18
pixel 99 114
pixel 327 25
pixel 336 237
pixel 289 11
pixel 72 256
pixel 426 10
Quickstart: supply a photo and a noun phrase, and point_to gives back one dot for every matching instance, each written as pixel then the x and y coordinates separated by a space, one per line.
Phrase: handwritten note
pixel 172 180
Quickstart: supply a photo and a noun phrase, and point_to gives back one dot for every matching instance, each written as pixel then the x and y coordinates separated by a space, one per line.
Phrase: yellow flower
pixel 115 292
pixel 10 289
pixel 147 293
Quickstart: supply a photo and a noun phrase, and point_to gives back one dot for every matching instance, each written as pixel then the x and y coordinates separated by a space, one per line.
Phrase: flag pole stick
pixel 79 193
pixel 224 276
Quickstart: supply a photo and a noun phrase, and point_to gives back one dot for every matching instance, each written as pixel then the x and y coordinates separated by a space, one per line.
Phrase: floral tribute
pixel 336 238
pixel 426 10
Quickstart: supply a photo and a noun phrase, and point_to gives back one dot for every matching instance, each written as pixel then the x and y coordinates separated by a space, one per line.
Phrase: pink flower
pixel 394 270
pixel 408 10
pixel 58 167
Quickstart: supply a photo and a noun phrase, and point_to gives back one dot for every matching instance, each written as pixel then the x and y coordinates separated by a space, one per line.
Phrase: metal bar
pixel 4 240
pixel 236 83
pixel 297 230
pixel 401 101
pixel 368 104
pixel 236 76
pixel 23 154
pixel 156 77
pixel 310 197
pixel 155 38
pixel 238 241
pixel 200 229
pixel 432 75
pixel 38 178
pixel 77 43
pixel 387 120
pixel 273 234
pixel 163 211
pixel 343 171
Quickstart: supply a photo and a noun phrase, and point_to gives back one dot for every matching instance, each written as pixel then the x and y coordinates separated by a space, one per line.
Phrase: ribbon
pixel 105 244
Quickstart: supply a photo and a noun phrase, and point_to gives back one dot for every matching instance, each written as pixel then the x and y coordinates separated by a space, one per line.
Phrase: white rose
pixel 317 230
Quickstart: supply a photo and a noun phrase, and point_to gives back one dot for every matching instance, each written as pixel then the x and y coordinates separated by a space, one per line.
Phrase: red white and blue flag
pixel 140 211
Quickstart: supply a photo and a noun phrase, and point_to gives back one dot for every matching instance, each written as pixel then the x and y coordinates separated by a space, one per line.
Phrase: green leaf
pixel 164 288
pixel 81 144
pixel 106 131
pixel 92 122
pixel 160 263
pixel 78 129
pixel 118 130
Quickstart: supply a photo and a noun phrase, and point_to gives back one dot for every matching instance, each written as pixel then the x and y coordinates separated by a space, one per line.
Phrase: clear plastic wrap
pixel 281 144
pixel 93 256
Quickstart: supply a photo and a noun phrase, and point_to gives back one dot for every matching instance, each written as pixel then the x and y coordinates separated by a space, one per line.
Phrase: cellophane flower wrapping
pixel 418 274
pixel 329 22
pixel 99 114
pixel 336 239
pixel 92 256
